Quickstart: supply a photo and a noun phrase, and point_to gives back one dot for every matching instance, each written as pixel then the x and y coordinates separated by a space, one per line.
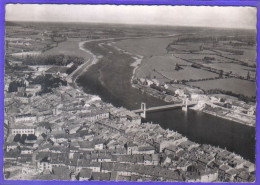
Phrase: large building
pixel 25 118
pixel 22 130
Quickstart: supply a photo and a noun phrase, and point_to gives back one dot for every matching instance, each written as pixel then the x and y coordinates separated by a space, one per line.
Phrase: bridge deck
pixel 163 107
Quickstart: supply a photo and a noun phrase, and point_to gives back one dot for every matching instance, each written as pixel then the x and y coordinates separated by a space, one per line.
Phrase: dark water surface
pixel 110 79
pixel 207 129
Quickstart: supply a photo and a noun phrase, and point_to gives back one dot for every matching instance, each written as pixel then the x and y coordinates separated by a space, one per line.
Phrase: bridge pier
pixel 143 108
pixel 185 108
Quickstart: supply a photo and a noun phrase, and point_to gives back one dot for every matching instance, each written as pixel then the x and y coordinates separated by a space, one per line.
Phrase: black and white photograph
pixel 130 93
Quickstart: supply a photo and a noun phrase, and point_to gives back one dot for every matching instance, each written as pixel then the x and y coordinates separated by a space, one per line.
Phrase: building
pixel 44 165
pixel 25 118
pixel 209 176
pixel 22 130
pixel 132 148
pixel 32 90
pixel 84 174
pixel 11 146
pixel 96 115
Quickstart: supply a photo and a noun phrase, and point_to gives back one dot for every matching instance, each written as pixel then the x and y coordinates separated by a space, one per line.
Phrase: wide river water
pixel 110 79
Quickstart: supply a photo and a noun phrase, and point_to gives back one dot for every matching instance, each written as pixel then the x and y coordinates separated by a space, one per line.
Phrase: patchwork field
pixel 238 86
pixel 249 56
pixel 235 68
pixel 163 69
pixel 198 57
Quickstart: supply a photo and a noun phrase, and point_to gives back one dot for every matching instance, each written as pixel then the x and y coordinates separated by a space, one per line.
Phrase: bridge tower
pixel 185 107
pixel 143 108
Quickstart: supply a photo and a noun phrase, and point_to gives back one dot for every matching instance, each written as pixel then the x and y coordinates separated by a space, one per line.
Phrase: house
pixel 25 118
pixel 132 148
pixel 134 119
pixel 222 175
pixel 24 160
pixel 104 157
pixel 209 176
pixel 10 156
pixel 96 115
pixel 107 167
pixel 188 145
pixel 145 150
pixel 73 128
pixel 242 177
pixel 98 144
pixel 62 173
pixel 81 164
pixel 180 92
pixel 26 150
pixel 231 173
pixel 99 176
pixel 156 82
pixel 11 146
pixel 250 167
pixel 149 82
pixel 84 174
pixel 251 111
pixel 33 89
pixel 23 99
pixel 59 138
pixel 44 165
pixel 95 166
pixel 148 160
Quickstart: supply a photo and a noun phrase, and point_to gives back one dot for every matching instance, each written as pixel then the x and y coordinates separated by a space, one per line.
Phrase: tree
pixel 248 76
pixel 177 67
pixel 31 137
pixel 13 86
pixel 221 73
pixel 17 137
pixel 23 138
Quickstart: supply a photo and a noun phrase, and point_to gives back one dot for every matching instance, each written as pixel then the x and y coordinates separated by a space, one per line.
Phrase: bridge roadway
pixel 165 107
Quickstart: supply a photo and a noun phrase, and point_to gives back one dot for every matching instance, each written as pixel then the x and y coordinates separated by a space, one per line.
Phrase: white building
pixel 25 118
pixel 23 130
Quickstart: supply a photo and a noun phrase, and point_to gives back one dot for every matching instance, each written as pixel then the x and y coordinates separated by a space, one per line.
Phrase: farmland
pixel 238 86
pixel 146 47
pixel 235 68
pixel 222 60
pixel 163 69
pixel 69 47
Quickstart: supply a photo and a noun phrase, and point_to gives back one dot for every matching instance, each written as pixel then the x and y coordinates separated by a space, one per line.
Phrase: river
pixel 110 79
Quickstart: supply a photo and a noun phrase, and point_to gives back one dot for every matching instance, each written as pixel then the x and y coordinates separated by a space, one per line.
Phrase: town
pixel 63 82
pixel 66 134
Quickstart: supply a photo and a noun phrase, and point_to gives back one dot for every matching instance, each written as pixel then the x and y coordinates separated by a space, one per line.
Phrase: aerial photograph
pixel 130 93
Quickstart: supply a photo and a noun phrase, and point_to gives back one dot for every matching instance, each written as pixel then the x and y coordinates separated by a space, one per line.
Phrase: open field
pixel 198 57
pixel 249 56
pixel 238 86
pixel 165 69
pixel 146 47
pixel 188 73
pixel 56 69
pixel 235 68
pixel 69 47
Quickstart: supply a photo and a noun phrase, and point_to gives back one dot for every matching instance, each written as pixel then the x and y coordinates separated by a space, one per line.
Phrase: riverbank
pixel 110 79
pixel 227 118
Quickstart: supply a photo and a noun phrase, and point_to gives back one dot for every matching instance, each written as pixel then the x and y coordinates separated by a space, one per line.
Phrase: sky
pixel 203 16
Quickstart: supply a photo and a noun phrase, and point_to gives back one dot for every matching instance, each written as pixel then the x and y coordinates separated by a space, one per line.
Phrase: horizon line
pixel 134 24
